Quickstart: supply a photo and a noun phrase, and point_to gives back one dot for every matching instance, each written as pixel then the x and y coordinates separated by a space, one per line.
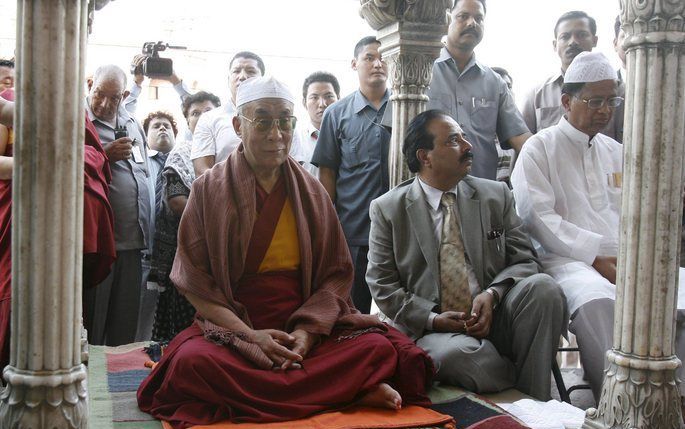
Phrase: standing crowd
pixel 257 243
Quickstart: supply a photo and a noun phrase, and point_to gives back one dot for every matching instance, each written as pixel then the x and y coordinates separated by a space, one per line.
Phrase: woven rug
pixel 116 372
pixel 471 411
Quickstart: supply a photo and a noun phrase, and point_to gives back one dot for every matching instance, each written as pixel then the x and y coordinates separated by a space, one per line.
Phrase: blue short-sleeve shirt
pixel 353 142
pixel 479 100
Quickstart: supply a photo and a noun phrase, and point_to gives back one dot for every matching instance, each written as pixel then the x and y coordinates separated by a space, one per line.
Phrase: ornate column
pixel 46 381
pixel 640 386
pixel 410 32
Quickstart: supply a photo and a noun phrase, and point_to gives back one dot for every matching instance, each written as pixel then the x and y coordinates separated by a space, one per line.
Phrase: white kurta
pixel 568 193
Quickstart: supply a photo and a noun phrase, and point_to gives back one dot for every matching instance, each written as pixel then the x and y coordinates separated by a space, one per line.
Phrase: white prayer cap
pixel 257 88
pixel 589 67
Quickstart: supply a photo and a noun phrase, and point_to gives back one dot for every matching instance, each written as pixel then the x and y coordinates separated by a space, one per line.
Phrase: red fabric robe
pixel 98 219
pixel 98 230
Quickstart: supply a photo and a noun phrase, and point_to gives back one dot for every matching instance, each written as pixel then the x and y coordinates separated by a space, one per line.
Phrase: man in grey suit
pixel 450 266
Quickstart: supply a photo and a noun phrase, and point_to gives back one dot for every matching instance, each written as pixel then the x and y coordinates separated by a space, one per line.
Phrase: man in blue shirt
pixel 352 155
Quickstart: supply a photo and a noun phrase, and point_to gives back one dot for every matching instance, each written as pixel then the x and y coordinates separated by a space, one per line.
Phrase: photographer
pixel 131 102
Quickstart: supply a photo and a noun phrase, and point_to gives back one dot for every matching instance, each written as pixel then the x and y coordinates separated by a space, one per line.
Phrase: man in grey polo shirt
pixel 574 32
pixel 474 95
pixel 352 153
pixel 111 314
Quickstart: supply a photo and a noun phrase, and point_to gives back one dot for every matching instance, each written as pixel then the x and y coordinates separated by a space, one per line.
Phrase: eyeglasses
pixel 598 103
pixel 264 125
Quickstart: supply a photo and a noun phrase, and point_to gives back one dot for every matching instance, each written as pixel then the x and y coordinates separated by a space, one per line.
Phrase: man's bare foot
pixel 382 396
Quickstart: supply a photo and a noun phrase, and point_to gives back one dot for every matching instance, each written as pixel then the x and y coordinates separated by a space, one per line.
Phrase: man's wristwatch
pixel 495 296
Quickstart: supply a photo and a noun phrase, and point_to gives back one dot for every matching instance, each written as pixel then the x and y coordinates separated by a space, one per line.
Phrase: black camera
pixel 154 65
pixel 120 132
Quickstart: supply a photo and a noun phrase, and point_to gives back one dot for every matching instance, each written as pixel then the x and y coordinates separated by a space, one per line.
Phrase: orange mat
pixel 351 418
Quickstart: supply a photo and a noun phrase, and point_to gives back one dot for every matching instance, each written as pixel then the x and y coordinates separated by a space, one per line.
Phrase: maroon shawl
pixel 98 220
pixel 215 231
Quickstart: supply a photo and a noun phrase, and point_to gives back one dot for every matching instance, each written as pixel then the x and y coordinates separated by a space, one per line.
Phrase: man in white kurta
pixel 567 184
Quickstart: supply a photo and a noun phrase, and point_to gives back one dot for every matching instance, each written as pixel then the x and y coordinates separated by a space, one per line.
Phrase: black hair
pixel 250 56
pixel 502 72
pixel 364 42
pixel 485 8
pixel 576 14
pixel 321 76
pixel 7 63
pixel 572 88
pixel 160 114
pixel 198 97
pixel 418 137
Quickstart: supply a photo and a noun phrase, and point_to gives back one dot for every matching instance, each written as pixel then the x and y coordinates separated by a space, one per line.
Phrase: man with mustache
pixel 472 93
pixel 574 32
pixel 450 266
pixel 214 137
pixel 567 183
pixel 320 90
pixel 352 156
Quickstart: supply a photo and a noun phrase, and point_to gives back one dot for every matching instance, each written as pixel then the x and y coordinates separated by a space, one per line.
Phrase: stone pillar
pixel 46 381
pixel 410 32
pixel 640 386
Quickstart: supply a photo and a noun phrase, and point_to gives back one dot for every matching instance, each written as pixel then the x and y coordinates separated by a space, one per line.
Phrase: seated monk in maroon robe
pixel 262 257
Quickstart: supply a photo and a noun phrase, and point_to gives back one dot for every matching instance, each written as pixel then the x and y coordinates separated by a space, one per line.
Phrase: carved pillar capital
pixel 652 22
pixel 410 32
pixel 411 74
pixel 379 13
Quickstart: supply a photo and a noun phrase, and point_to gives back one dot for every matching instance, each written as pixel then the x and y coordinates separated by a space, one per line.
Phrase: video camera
pixel 154 65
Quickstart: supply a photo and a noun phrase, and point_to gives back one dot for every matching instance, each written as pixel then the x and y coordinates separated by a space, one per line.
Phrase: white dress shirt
pixel 433 197
pixel 303 147
pixel 214 134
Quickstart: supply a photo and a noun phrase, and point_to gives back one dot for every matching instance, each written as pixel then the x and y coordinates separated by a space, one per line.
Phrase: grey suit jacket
pixel 403 271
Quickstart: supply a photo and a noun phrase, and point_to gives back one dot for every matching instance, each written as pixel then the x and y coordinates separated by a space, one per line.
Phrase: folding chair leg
pixel 561 387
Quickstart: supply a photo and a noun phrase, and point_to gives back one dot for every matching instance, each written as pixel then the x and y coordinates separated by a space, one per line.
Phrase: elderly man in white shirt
pixel 214 137
pixel 320 90
pixel 567 185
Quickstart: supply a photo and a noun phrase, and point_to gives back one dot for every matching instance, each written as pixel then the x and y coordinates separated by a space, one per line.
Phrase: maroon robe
pixel 98 219
pixel 5 265
pixel 98 230
pixel 200 382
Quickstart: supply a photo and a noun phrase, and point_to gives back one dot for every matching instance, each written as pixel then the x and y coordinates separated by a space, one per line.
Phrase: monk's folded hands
pixel 276 345
pixel 304 341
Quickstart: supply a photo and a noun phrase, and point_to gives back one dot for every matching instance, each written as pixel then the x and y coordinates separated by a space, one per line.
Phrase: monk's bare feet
pixel 382 396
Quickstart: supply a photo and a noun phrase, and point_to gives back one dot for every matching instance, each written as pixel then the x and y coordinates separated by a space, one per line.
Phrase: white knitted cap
pixel 589 67
pixel 257 88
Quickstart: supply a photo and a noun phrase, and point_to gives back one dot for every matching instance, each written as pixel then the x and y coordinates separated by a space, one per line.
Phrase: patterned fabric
pixel 175 186
pixel 174 313
pixel 454 282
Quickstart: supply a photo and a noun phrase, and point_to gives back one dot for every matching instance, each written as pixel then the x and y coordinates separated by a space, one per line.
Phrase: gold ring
pixel 465 328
